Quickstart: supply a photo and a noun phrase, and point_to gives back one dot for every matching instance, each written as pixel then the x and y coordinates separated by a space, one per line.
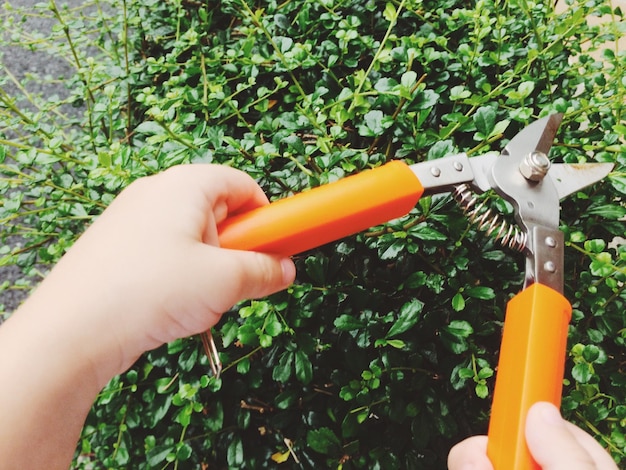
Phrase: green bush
pixel 382 355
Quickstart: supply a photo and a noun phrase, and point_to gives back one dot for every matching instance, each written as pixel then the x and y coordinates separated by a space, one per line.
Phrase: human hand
pixel 146 272
pixel 149 271
pixel 554 443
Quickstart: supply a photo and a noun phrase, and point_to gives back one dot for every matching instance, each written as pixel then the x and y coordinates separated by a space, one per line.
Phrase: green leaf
pixel 499 128
pixel 247 334
pixel 408 317
pixel 265 341
pixel 157 455
pixel 374 123
pixel 282 371
pixel 389 13
pixel 304 368
pixel 596 245
pixel 582 373
pixel 620 129
pixel 460 328
pixel 466 373
pixel 286 399
pixel 243 366
pixel 416 279
pixel 273 325
pixel 609 211
pixel 602 265
pixel 454 335
pixel 523 91
pixel 184 451
pixel 408 79
pixel 258 308
pixel 324 441
pixel 229 333
pixel 149 128
pixel 395 343
pixel 459 92
pixel 425 99
pixel 424 232
pixel 494 255
pixel 595 335
pixel 160 406
pixel 441 148
pixel 485 120
pixel 234 453
pixel 480 292
pixel 458 302
pixel 164 384
pixel 391 250
pixel 316 268
pixel 482 391
pixel 348 323
pixel 591 353
pixel 618 182
pixel 485 373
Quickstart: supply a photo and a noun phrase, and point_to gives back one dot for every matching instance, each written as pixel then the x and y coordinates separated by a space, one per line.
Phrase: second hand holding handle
pixel 530 369
pixel 325 213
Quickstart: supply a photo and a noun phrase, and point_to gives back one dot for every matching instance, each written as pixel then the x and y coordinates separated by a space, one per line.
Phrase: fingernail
pixel 289 271
pixel 550 414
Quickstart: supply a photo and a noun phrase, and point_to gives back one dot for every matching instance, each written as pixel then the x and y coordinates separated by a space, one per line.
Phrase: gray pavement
pixel 23 63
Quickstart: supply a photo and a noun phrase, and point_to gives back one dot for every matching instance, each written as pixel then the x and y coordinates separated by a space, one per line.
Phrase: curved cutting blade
pixel 569 178
pixel 537 136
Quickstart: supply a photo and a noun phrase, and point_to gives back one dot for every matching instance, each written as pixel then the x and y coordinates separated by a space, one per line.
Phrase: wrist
pixel 52 388
pixel 72 328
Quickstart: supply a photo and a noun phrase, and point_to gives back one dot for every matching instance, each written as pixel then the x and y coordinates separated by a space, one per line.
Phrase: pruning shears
pixel 532 355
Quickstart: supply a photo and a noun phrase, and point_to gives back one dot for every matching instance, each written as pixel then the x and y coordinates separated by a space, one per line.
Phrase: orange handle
pixel 326 213
pixel 530 369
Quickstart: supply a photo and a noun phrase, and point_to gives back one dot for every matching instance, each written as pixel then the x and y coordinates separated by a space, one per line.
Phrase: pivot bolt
pixel 535 166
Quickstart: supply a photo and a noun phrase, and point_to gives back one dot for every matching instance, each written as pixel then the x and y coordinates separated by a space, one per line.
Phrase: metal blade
pixel 443 174
pixel 481 166
pixel 536 137
pixel 570 178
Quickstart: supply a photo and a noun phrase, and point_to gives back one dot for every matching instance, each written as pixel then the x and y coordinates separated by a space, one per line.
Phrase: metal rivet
pixel 436 172
pixel 551 242
pixel 458 166
pixel 549 266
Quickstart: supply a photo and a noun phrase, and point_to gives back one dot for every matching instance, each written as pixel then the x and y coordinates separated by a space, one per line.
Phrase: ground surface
pixel 20 62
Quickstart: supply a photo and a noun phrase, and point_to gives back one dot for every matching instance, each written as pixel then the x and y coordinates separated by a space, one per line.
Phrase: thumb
pixel 470 454
pixel 551 443
pixel 247 275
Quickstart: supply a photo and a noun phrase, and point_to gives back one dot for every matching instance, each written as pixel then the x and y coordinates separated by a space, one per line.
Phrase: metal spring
pixel 507 234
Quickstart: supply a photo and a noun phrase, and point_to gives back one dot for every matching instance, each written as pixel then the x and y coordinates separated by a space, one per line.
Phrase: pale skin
pixel 149 271
pixel 146 272
pixel 554 443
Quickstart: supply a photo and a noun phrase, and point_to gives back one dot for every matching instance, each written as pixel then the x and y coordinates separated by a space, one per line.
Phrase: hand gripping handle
pixel 530 369
pixel 326 213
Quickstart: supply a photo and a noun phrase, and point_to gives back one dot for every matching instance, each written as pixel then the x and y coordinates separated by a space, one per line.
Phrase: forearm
pixel 47 390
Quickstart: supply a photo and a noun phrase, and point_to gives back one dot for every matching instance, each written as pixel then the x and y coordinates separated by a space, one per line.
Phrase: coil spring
pixel 485 219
